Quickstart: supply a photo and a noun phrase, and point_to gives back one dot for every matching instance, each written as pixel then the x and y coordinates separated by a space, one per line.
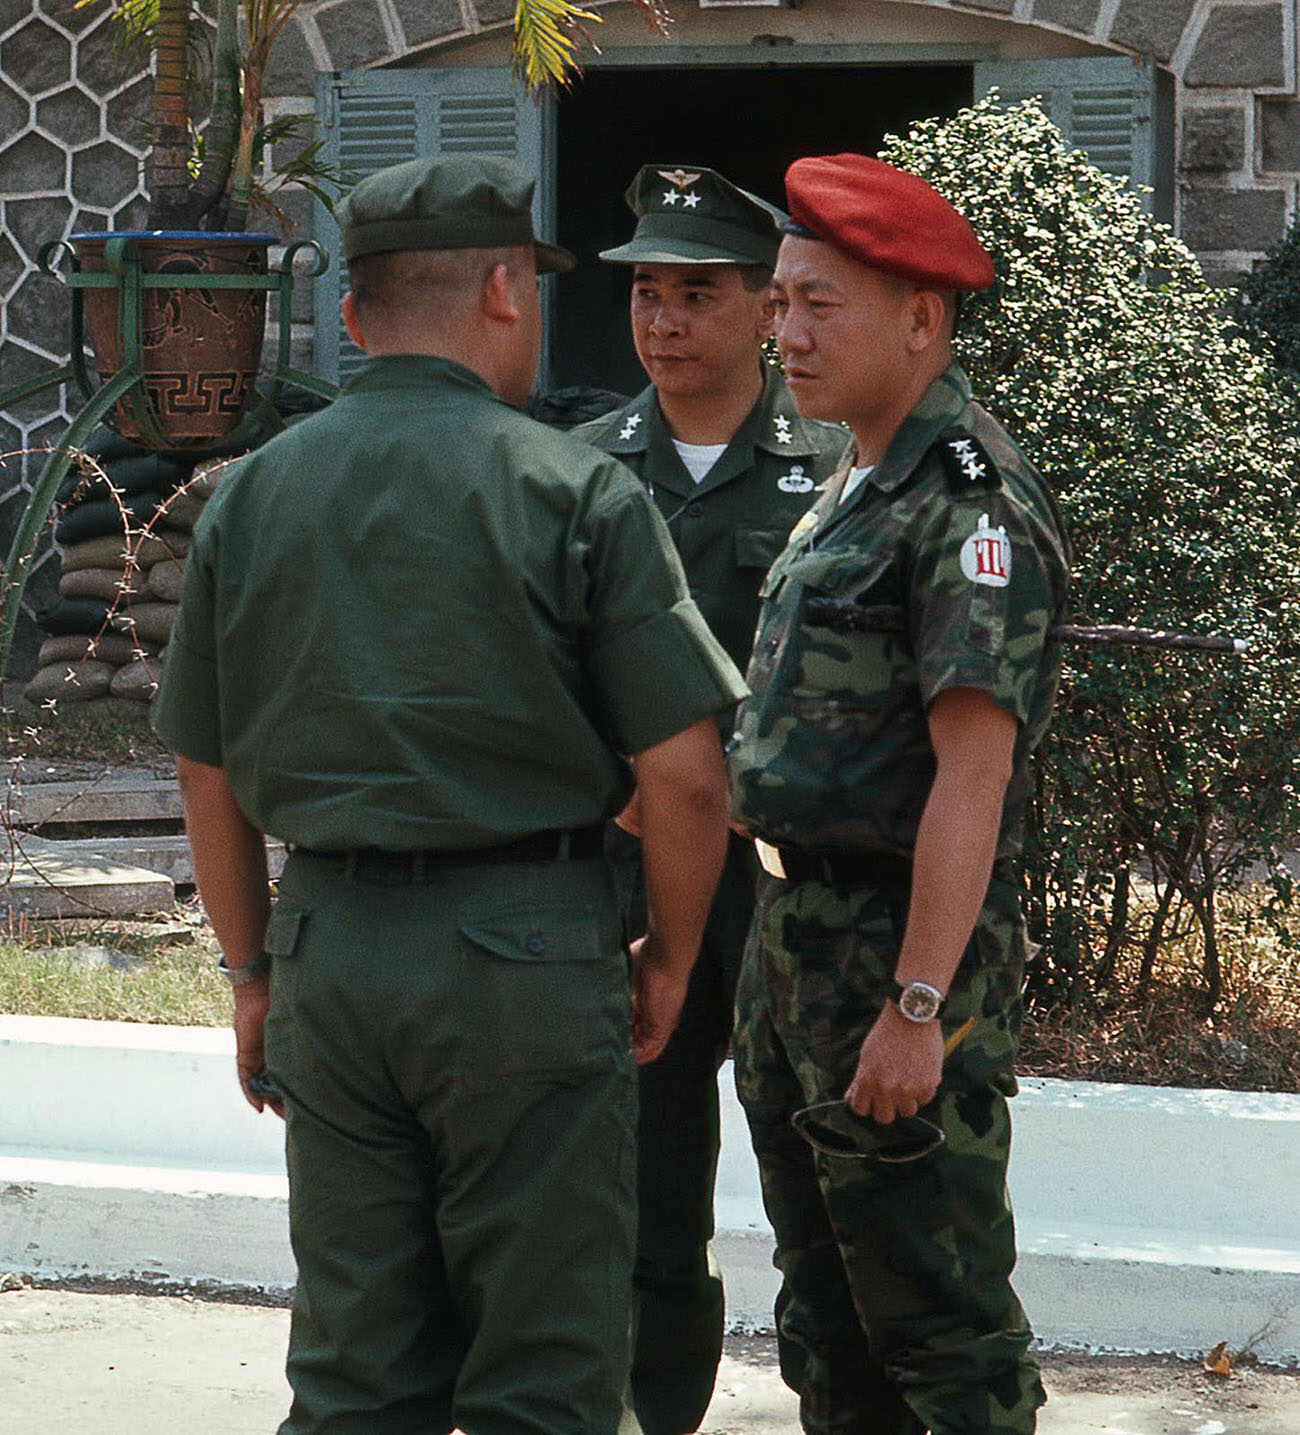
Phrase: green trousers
pixel 679 1294
pixel 461 1103
pixel 896 1314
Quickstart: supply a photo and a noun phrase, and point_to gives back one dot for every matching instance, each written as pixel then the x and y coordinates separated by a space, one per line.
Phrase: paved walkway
pixel 109 1364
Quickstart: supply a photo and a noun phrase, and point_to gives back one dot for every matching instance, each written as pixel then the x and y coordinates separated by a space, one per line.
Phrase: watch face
pixel 919 1002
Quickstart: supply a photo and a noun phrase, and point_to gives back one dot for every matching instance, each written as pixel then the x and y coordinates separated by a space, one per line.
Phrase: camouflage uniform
pixel 896 1313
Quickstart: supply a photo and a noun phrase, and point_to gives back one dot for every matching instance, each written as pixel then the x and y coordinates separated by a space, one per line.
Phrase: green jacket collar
pixel 403 371
pixel 773 426
pixel 945 405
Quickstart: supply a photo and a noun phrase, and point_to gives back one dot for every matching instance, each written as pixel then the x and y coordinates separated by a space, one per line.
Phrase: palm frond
pixel 548 34
pixel 307 167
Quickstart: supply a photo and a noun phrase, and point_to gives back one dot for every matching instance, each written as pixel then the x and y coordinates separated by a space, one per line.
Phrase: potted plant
pixel 197 217
pixel 197 347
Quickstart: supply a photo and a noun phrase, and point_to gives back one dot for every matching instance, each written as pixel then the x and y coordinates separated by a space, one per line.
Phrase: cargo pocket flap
pixel 759 547
pixel 830 574
pixel 559 936
pixel 282 930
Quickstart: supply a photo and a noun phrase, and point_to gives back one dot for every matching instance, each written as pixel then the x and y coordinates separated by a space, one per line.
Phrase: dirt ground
pixel 115 1361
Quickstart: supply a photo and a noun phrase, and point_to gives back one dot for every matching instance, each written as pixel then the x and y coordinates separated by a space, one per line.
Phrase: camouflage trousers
pixel 896 1313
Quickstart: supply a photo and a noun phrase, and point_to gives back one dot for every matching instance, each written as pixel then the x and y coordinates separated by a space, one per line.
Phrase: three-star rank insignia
pixel 681 182
pixel 967 464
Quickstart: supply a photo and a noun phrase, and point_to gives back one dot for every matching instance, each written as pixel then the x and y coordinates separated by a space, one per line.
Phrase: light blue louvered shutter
pixel 374 118
pixel 1118 110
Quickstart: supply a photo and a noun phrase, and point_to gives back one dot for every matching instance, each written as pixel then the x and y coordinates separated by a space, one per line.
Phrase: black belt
pixel 845 868
pixel 379 864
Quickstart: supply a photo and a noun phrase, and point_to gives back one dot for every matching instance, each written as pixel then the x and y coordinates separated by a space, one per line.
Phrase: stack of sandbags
pixel 122 566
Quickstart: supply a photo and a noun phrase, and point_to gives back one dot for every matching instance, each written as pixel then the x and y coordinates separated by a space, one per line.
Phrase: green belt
pixel 422 864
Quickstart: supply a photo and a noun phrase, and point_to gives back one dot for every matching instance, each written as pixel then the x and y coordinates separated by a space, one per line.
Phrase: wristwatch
pixel 917 1001
pixel 241 976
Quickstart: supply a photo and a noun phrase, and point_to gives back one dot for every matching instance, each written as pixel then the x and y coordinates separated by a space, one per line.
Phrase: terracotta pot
pixel 199 348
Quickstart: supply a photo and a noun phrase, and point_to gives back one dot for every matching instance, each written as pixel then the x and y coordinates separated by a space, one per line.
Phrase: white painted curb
pixel 1149 1219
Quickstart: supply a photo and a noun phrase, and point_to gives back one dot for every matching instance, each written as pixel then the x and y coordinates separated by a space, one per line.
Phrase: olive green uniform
pixel 727 528
pixel 418 633
pixel 945 569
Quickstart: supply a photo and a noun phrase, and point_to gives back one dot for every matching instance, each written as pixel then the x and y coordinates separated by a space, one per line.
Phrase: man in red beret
pixel 901 677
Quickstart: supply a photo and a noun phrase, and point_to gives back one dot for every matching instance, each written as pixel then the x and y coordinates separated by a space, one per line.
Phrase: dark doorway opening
pixel 747 123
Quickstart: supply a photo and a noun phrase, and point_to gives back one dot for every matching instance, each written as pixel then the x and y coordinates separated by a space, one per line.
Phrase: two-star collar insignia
pixel 628 433
pixel 783 434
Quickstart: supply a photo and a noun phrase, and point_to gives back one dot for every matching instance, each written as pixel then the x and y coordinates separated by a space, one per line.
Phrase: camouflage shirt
pixel 944 569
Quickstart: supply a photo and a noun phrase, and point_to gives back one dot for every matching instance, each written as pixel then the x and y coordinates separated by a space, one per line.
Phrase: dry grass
pixel 162 971
pixel 143 971
pixel 107 735
pixel 1164 1035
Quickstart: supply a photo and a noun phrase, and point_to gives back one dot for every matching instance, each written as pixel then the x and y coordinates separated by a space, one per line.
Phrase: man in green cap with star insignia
pixel 721 448
pixel 433 646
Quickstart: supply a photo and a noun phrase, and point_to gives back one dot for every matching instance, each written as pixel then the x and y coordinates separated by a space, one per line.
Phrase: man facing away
pixel 419 637
pixel 902 675
pixel 720 447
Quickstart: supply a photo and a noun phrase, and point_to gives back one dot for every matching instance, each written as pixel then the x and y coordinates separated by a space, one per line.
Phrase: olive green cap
pixel 463 201
pixel 692 215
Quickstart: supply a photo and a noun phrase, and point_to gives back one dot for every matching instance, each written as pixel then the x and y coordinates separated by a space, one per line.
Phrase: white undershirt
pixel 857 477
pixel 699 458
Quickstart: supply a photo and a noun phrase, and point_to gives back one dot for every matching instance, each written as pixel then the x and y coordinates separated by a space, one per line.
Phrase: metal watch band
pixel 241 976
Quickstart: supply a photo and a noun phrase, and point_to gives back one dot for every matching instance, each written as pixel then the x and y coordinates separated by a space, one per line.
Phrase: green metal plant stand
pixel 123 272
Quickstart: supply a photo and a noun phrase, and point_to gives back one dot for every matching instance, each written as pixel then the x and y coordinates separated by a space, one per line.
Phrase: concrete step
pixel 166 855
pixel 112 797
pixel 40 878
pixel 118 876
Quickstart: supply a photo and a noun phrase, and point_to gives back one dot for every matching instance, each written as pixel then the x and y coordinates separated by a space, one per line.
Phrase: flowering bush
pixel 1174 449
pixel 1270 303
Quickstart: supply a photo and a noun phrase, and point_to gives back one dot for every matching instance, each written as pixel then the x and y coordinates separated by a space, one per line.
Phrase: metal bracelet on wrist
pixel 241 976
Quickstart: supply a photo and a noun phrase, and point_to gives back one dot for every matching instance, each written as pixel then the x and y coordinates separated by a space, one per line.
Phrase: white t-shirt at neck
pixel 699 458
pixel 857 477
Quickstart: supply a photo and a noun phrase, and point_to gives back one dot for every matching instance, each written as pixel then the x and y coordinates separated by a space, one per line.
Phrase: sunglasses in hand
pixel 835 1129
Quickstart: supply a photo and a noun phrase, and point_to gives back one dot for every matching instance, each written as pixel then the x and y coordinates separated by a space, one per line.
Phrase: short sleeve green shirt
pixel 419 619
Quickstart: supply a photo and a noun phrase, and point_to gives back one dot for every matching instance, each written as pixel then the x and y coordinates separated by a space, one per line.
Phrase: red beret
pixel 887 219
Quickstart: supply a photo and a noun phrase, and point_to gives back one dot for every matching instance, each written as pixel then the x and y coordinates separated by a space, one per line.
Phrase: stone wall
pixel 73 132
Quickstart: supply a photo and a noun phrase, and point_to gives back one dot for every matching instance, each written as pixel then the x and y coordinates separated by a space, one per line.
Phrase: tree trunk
pixel 1151 947
pixel 169 178
pixel 241 176
pixel 208 191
